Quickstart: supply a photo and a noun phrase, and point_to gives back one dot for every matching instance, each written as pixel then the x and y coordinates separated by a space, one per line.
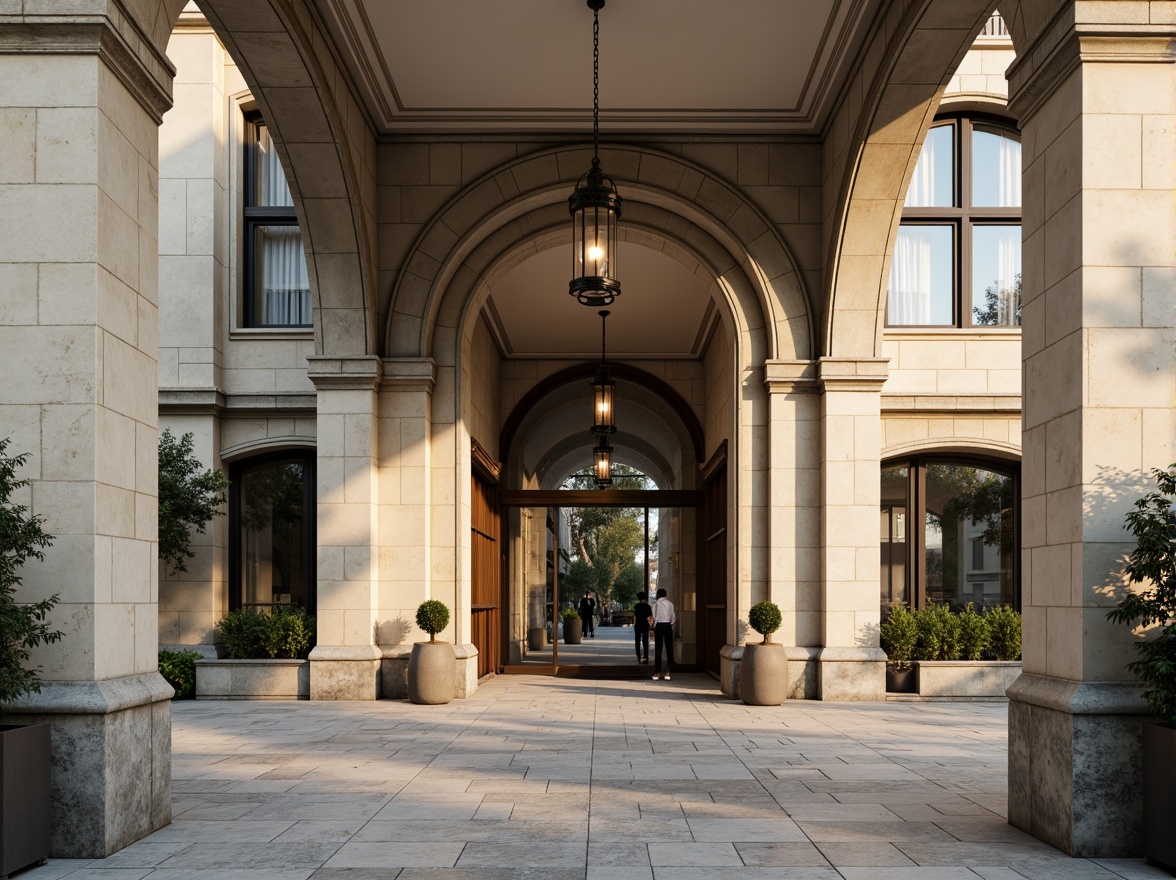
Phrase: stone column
pixel 851 665
pixel 1098 115
pixel 795 476
pixel 83 98
pixel 345 664
pixel 405 542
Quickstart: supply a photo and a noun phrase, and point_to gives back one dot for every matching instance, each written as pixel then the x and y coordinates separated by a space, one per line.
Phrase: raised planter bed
pixel 253 679
pixel 965 678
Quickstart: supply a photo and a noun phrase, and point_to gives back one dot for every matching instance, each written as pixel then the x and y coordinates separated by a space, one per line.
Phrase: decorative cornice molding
pixel 116 38
pixel 214 402
pixel 929 404
pixel 1063 45
pixel 484 462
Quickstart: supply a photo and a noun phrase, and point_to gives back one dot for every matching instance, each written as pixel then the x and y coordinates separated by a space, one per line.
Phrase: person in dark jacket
pixel 587 614
pixel 642 615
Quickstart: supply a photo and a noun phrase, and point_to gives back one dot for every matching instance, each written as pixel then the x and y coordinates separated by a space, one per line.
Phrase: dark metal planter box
pixel 24 796
pixel 1159 795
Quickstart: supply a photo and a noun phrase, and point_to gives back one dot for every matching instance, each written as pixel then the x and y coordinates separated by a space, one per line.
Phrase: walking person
pixel 642 615
pixel 587 614
pixel 663 633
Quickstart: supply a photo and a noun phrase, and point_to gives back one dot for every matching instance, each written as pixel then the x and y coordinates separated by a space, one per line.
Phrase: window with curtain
pixel 277 287
pixel 272 531
pixel 950 532
pixel 957 256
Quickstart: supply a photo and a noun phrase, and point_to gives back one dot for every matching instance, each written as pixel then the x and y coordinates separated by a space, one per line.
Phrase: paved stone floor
pixel 585 780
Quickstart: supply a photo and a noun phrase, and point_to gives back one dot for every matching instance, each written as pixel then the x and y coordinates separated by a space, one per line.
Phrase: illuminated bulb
pixel 595 253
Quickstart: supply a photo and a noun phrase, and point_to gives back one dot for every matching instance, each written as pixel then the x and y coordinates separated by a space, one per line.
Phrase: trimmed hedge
pixel 285 633
pixel 178 669
pixel 935 633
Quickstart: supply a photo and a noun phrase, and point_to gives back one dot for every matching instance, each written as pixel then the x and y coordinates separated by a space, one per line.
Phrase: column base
pixel 851 674
pixel 345 672
pixel 111 753
pixel 467 671
pixel 1075 757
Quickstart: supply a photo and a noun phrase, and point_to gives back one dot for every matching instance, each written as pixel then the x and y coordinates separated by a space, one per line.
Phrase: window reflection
pixel 996 276
pixel 996 168
pixel 921 288
pixel 948 534
pixel 931 184
pixel 274 550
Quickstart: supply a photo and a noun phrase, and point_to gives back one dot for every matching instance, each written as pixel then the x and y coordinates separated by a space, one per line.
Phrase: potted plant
pixel 763 672
pixel 24 749
pixel 898 634
pixel 573 627
pixel 1153 561
pixel 432 664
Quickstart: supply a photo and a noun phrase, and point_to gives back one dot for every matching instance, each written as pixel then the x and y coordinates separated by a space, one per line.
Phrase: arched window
pixel 271 529
pixel 950 532
pixel 957 257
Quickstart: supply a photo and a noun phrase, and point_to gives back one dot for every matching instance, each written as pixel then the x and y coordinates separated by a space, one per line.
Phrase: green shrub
pixel 899 634
pixel 570 615
pixel 765 618
pixel 286 633
pixel 975 634
pixel 178 669
pixel 939 634
pixel 432 616
pixel 22 625
pixel 1004 626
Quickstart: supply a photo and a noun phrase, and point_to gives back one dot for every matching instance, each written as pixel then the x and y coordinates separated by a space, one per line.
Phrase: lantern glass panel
pixel 603 417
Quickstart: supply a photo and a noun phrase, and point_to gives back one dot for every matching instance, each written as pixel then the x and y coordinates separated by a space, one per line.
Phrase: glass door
pixel 533 626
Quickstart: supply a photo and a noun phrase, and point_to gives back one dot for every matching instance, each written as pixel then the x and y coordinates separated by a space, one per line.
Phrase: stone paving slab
pixel 565 779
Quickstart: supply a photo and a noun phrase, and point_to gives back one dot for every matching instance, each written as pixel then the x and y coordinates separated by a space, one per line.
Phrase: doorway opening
pixel 561 547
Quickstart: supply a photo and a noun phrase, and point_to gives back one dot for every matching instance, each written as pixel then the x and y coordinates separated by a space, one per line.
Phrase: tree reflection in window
pixel 274 551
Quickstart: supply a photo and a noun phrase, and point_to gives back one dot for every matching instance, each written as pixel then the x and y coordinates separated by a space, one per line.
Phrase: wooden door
pixel 486 574
pixel 712 583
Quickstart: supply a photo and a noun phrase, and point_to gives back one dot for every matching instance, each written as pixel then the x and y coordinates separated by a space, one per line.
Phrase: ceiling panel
pixel 710 65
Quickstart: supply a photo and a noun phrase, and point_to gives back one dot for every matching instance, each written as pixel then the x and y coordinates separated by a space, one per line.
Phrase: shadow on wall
pixel 1113 493
pixel 392 632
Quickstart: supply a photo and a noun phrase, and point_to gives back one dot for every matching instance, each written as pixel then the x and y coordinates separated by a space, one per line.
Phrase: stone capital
pixel 115 36
pixel 852 374
pixel 409 374
pixel 345 373
pixel 1066 42
pixel 788 377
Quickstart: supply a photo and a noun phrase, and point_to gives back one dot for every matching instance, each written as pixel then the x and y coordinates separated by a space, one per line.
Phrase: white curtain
pixel 275 192
pixel 1008 267
pixel 285 284
pixel 909 299
pixel 1009 153
pixel 921 192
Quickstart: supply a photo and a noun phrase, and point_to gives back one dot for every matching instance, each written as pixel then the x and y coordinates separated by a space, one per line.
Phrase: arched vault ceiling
pixel 526 65
pixel 664 311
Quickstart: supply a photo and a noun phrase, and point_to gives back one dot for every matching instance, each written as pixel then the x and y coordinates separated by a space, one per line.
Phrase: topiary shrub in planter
pixel 24 749
pixel 285 633
pixel 898 635
pixel 1004 632
pixel 1152 523
pixel 573 627
pixel 432 668
pixel 763 673
pixel 178 669
pixel 938 633
pixel 975 633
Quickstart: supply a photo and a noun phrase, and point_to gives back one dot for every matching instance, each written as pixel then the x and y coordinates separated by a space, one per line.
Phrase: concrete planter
pixel 24 796
pixel 253 679
pixel 1159 794
pixel 965 678
pixel 431 673
pixel 573 631
pixel 763 677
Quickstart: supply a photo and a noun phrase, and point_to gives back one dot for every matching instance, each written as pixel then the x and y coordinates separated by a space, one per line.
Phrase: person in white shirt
pixel 663 633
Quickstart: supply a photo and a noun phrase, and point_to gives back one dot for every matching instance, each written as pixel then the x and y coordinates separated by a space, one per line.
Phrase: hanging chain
pixel 603 315
pixel 595 83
